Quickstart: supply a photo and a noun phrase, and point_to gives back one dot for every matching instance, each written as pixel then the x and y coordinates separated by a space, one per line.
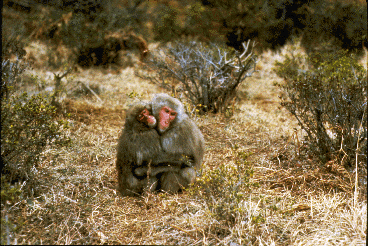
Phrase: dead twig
pixel 92 91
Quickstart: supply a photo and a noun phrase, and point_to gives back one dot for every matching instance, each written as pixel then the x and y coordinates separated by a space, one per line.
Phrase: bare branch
pixel 210 76
pixel 89 88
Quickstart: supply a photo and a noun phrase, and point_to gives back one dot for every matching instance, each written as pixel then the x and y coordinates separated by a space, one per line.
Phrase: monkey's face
pixel 146 118
pixel 166 116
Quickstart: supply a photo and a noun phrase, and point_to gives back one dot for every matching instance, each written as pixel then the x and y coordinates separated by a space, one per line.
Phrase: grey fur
pixel 182 137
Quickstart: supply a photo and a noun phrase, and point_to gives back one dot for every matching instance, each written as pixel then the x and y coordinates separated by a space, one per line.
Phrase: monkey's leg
pixel 129 185
pixel 151 184
pixel 189 174
pixel 141 171
pixel 173 182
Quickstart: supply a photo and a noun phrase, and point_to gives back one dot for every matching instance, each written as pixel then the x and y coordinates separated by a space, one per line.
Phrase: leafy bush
pixel 167 26
pixel 223 188
pixel 10 194
pixel 87 22
pixel 90 8
pixel 85 28
pixel 272 23
pixel 109 50
pixel 207 75
pixel 327 94
pixel 28 125
pixel 341 24
pixel 186 20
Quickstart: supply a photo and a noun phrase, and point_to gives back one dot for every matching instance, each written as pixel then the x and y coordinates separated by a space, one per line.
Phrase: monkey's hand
pixel 187 161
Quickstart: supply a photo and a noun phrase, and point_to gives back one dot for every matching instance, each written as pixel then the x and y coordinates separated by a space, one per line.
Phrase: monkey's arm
pixel 141 171
pixel 173 159
pixel 187 140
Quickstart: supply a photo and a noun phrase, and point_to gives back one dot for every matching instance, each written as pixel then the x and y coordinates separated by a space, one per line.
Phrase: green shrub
pixel 272 23
pixel 10 194
pixel 28 125
pixel 186 20
pixel 84 25
pixel 342 24
pixel 167 26
pixel 78 26
pixel 327 94
pixel 224 188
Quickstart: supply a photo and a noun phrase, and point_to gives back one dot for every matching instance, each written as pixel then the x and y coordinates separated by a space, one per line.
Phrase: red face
pixel 146 118
pixel 166 116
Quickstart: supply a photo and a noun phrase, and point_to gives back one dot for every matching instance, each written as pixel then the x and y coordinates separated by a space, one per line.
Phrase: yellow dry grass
pixel 297 201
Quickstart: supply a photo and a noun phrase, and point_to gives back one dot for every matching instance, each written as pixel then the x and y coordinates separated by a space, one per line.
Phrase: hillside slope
pixel 256 186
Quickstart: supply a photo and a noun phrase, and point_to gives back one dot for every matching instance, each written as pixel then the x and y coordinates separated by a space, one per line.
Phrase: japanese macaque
pixel 179 136
pixel 139 149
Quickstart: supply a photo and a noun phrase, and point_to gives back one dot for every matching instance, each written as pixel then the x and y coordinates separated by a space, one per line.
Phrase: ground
pixel 290 200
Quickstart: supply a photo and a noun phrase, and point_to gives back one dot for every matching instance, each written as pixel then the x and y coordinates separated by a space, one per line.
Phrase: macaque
pixel 140 157
pixel 179 135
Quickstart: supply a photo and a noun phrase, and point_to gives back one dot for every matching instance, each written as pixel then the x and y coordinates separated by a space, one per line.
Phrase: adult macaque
pixel 140 146
pixel 179 136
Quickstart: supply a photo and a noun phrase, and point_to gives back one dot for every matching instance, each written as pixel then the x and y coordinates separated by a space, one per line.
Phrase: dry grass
pixel 295 201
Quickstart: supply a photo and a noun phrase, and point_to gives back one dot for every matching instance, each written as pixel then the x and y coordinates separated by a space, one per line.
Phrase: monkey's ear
pixel 149 107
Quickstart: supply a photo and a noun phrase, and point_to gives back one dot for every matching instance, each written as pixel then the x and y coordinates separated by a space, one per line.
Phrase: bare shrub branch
pixel 207 75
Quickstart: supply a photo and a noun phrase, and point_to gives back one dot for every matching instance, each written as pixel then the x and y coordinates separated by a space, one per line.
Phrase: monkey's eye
pixel 140 117
pixel 173 113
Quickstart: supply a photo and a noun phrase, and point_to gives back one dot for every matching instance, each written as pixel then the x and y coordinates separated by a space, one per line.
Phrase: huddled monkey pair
pixel 160 148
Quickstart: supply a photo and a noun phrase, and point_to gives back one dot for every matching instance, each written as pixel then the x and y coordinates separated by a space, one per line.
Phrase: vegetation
pixel 328 97
pixel 76 23
pixel 272 23
pixel 85 25
pixel 225 201
pixel 28 125
pixel 272 175
pixel 207 76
